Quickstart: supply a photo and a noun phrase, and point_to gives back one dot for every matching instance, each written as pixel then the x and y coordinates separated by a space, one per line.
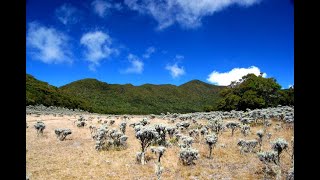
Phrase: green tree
pixel 251 92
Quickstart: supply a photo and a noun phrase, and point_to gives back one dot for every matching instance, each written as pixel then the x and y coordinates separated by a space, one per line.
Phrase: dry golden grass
pixel 76 158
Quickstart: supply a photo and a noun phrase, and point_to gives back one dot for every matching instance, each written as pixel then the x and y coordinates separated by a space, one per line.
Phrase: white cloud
pixel 290 86
pixel 175 70
pixel 224 79
pixel 187 13
pixel 148 52
pixel 136 65
pixel 47 44
pixel 101 7
pixel 179 57
pixel 67 14
pixel 98 47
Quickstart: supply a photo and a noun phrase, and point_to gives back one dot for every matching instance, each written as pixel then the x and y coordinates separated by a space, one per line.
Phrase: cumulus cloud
pixel 175 70
pixel 148 52
pixel 67 14
pixel 48 44
pixel 101 7
pixel 98 47
pixel 136 65
pixel 187 13
pixel 225 78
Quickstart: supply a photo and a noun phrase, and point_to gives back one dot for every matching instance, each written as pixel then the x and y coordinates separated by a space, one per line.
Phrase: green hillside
pixel 39 92
pixel 145 99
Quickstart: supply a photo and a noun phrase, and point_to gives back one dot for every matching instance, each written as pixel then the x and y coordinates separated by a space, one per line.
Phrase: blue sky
pixel 168 42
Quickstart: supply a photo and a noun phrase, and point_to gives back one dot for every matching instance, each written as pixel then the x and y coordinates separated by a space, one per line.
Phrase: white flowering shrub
pixel 246 120
pixel 146 135
pixel 278 146
pixel 144 122
pixel 233 126
pixel 268 157
pixel 245 129
pixel 80 122
pixel 194 133
pixel 183 125
pixel 186 142
pixel 109 138
pixel 204 131
pixel 188 155
pixel 247 145
pixel 159 151
pixel 40 126
pixel 216 125
pixel 260 135
pixel 171 131
pixel 211 140
pixel 62 133
pixel 161 130
pixel 123 126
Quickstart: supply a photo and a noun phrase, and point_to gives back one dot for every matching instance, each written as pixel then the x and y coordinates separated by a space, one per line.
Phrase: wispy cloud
pixel 178 57
pixel 98 47
pixel 48 44
pixel 101 7
pixel 290 86
pixel 136 65
pixel 148 52
pixel 175 70
pixel 67 14
pixel 225 78
pixel 187 13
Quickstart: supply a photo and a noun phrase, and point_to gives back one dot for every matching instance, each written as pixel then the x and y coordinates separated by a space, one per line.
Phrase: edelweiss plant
pixel 211 140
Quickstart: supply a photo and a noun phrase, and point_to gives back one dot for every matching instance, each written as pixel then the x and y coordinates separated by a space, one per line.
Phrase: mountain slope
pixel 39 92
pixel 145 99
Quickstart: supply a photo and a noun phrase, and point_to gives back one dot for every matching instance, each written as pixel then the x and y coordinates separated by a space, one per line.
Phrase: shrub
pixel 161 130
pixel 171 131
pixel 194 133
pixel 260 135
pixel 62 133
pixel 247 145
pixel 245 129
pixel 211 140
pixel 106 139
pixel 146 135
pixel 40 126
pixel 186 142
pixel 123 126
pixel 159 151
pixel 278 146
pixel 188 155
pixel 233 126
pixel 204 131
pixel 216 125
